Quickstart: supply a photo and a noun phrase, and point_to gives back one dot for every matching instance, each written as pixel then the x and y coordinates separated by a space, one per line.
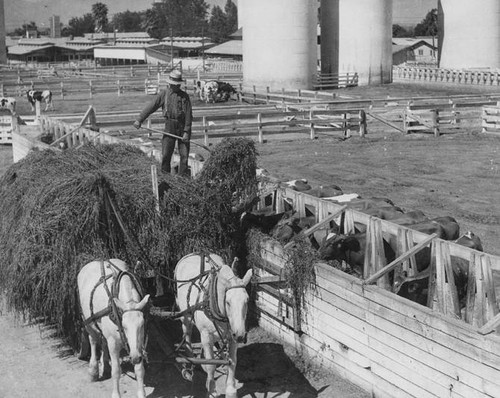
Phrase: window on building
pixel 420 52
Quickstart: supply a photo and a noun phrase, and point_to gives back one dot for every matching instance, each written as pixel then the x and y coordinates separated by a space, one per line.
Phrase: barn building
pixel 415 51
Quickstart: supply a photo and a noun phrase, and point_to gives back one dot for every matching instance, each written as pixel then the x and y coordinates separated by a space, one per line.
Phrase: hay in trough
pixel 60 210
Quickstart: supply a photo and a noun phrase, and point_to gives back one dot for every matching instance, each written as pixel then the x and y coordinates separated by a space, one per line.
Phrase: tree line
pixel 163 19
pixel 427 27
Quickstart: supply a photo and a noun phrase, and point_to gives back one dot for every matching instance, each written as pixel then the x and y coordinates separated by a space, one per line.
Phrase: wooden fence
pixel 388 345
pixel 491 119
pixel 438 75
pixel 74 135
pixel 438 116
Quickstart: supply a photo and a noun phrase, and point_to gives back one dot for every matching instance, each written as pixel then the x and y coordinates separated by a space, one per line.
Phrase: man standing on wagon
pixel 178 113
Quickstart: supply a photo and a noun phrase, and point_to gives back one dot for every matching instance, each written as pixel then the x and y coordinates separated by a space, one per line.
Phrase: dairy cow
pixel 8 103
pixel 40 96
pixel 213 91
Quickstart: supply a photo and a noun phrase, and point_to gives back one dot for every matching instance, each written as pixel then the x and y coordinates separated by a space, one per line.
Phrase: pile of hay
pixel 55 217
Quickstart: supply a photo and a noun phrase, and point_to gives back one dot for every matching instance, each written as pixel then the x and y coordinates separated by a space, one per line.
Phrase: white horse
pixel 210 292
pixel 112 307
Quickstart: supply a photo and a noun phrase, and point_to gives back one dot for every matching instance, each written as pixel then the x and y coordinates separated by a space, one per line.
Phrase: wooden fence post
pixel 62 90
pixel 362 123
pixel 313 130
pixel 119 88
pixel 254 94
pixel 404 243
pixel 481 298
pixel 375 254
pixel 205 130
pixel 261 134
pixel 442 295
pixel 435 121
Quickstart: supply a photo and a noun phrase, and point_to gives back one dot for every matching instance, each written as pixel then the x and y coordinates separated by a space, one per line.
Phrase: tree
pixel 429 25
pixel 218 25
pixel 127 21
pixel 181 17
pixel 24 28
pixel 223 23
pixel 399 31
pixel 232 17
pixel 79 26
pixel 100 15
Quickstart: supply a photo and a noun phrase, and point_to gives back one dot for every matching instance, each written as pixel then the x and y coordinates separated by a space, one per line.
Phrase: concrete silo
pixel 356 36
pixel 469 35
pixel 279 42
pixel 3 48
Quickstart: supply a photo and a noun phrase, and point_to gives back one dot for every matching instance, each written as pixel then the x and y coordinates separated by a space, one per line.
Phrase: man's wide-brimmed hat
pixel 175 77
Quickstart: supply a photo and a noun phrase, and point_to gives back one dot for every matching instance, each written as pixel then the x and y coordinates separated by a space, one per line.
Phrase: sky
pixel 17 12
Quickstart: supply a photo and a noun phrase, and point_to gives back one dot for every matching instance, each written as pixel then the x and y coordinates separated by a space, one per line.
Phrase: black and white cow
pixel 213 91
pixel 8 103
pixel 45 96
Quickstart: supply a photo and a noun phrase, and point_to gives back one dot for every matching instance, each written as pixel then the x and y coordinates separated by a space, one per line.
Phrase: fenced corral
pixel 58 134
pixel 443 116
pixel 438 75
pixel 77 82
pixel 491 119
pixel 382 342
pixel 335 80
pixel 8 124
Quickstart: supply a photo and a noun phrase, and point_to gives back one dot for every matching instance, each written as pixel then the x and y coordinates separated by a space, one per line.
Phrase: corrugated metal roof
pixel 231 47
pixel 23 50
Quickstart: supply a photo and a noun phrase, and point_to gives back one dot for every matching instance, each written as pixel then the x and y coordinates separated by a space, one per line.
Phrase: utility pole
pixel 203 46
pixel 172 47
pixel 3 48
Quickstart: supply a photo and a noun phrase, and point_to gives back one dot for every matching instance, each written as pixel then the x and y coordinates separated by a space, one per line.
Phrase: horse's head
pixel 133 326
pixel 236 304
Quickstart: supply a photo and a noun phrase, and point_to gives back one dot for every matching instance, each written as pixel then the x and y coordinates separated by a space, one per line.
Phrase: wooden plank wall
pixel 384 343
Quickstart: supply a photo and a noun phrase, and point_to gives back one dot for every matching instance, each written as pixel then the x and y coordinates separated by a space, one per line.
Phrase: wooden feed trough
pixel 384 343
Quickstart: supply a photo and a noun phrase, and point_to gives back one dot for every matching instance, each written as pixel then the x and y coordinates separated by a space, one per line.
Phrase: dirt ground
pixel 456 175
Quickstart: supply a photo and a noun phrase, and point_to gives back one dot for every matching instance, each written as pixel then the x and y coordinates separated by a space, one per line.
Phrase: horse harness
pixel 112 311
pixel 210 303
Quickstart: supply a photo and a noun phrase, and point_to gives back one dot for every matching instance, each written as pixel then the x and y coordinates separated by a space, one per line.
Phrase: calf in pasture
pixel 40 96
pixel 8 103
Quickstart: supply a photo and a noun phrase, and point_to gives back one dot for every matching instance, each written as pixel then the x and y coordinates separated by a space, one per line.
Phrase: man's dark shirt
pixel 176 109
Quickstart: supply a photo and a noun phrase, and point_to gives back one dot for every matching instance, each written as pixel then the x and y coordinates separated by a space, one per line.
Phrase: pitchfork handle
pixel 174 136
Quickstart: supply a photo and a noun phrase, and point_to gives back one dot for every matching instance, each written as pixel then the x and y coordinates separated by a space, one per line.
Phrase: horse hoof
pixel 94 376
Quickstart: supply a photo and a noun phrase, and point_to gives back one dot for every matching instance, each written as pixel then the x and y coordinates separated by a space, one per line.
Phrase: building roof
pixel 118 35
pixel 23 50
pixel 400 45
pixel 231 47
pixel 238 35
